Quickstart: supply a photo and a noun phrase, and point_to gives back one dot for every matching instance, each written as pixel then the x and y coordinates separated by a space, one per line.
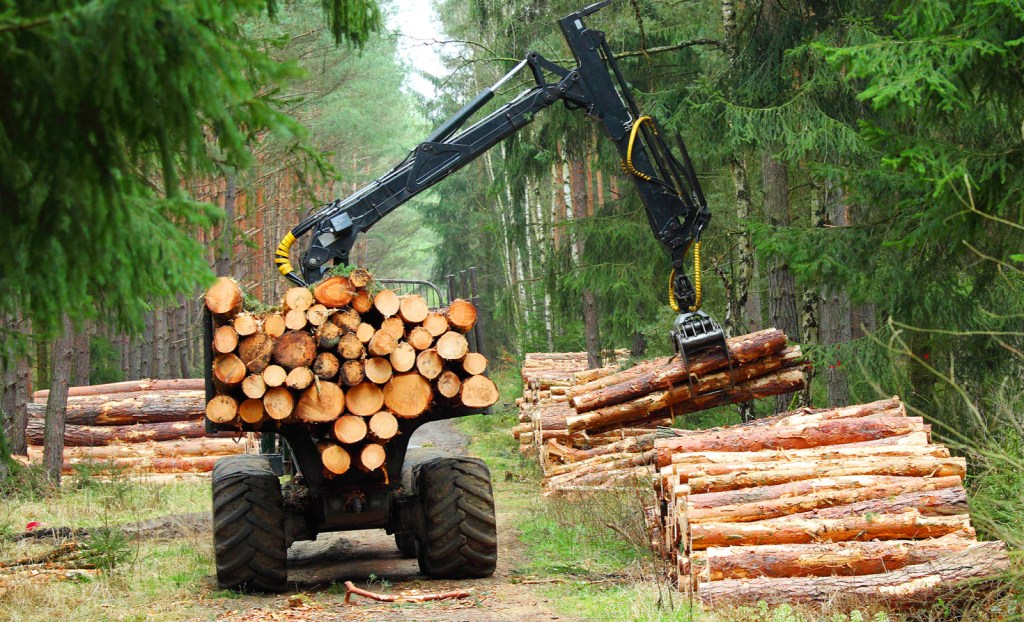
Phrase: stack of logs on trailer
pixel 346 361
pixel 809 505
pixel 142 425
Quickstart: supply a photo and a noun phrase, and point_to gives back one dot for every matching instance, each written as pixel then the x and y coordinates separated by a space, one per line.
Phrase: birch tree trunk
pixel 53 424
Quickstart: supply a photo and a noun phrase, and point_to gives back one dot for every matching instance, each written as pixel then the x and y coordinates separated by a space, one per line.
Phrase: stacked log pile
pixel 349 363
pixel 814 505
pixel 547 378
pixel 142 425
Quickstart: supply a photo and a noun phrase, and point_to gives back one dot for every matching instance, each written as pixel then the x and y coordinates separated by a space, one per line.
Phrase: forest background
pixel 862 159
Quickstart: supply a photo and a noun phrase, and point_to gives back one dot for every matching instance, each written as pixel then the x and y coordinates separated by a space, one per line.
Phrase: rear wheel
pixel 248 525
pixel 459 538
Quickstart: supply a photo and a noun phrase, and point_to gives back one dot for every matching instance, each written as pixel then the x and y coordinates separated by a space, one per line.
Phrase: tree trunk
pixel 225 246
pixel 16 375
pixel 53 427
pixel 781 300
pixel 81 362
pixel 591 318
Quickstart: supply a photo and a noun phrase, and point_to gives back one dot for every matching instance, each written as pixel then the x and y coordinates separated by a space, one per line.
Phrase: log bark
pixel 328 335
pixel 660 401
pixel 407 395
pixel 130 408
pixel 130 386
pixel 703 500
pixel 83 436
pixel 832 432
pixel 326 366
pixel 294 349
pixel 256 351
pixel 909 524
pixel 672 373
pixel 156 449
pixel 706 478
pixel 320 403
pixel 190 464
pixel 348 320
pixel 820 497
pixel 920 583
pixel 364 399
pixel 825 452
pixel 825 560
pixel 360 277
pixel 350 348
pixel 352 373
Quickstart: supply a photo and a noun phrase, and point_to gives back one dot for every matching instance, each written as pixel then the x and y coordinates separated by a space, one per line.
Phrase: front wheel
pixel 460 537
pixel 248 525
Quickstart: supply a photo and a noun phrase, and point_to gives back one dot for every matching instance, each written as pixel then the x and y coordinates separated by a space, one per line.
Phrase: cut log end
pixel 298 298
pixel 378 369
pixel 224 298
pixel 383 426
pixel 387 302
pixel 320 403
pixel 413 309
pixel 222 409
pixel 334 292
pixel 479 392
pixel 461 315
pixel 407 395
pixel 364 399
pixel 452 346
pixel 335 458
pixel 350 429
pixel 372 457
pixel 279 403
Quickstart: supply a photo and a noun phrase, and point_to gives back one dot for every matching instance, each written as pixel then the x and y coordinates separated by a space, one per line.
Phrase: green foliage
pixel 118 103
pixel 104 361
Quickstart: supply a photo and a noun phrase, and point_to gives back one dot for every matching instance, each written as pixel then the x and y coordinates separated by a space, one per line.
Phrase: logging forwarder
pixel 440 508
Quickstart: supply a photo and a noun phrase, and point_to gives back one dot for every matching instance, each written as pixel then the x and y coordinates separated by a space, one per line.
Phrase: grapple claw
pixel 696 332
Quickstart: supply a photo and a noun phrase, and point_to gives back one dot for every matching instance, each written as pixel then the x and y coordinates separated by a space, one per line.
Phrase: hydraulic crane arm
pixel 668 188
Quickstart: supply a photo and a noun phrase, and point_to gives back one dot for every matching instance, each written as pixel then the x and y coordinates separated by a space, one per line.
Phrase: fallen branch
pixel 350 589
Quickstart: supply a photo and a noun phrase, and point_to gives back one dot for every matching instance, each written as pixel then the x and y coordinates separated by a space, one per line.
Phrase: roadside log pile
pixel 350 363
pixel 814 505
pixel 142 425
pixel 547 377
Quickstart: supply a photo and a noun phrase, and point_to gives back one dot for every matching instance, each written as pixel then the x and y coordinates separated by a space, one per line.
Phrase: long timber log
pixel 915 584
pixel 129 386
pixel 129 408
pixel 83 436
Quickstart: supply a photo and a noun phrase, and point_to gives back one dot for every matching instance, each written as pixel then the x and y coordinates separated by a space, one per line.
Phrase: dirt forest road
pixel 371 560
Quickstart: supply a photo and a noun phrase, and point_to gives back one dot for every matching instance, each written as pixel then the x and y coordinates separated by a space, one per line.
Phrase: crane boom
pixel 668 187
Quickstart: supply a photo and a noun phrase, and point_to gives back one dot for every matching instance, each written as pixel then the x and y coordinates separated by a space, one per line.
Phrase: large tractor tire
pixel 248 525
pixel 459 538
